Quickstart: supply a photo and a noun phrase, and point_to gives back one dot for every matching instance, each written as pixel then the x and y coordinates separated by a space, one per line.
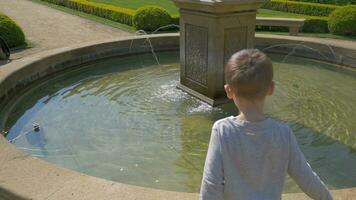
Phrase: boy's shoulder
pixel 227 121
pixel 234 122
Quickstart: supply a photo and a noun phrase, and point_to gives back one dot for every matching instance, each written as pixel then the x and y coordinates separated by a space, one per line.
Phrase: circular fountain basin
pixel 123 119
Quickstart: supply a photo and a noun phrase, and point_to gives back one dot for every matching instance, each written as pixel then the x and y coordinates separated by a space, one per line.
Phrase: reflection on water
pixel 124 120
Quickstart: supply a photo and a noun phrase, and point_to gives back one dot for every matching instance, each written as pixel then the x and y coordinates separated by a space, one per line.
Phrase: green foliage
pixel 175 19
pixel 115 13
pixel 343 21
pixel 11 32
pixel 313 9
pixel 136 4
pixel 333 2
pixel 315 25
pixel 150 18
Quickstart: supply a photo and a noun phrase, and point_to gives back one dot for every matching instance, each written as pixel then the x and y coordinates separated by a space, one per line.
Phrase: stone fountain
pixel 211 31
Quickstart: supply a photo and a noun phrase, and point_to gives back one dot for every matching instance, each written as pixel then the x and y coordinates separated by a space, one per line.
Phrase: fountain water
pixel 124 120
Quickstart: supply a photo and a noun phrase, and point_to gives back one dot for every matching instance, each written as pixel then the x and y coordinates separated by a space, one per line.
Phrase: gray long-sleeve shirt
pixel 250 160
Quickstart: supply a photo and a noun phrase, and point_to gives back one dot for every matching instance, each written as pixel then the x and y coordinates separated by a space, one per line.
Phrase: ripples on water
pixel 123 119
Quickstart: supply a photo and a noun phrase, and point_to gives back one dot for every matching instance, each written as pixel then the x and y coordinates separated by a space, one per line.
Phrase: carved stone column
pixel 210 32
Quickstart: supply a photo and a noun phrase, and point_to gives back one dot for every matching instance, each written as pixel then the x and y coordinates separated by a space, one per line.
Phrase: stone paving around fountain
pixel 47 28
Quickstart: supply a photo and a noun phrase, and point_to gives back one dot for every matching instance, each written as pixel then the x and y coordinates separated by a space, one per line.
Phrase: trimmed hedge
pixel 115 13
pixel 175 19
pixel 150 18
pixel 343 21
pixel 11 32
pixel 315 25
pixel 313 9
pixel 332 2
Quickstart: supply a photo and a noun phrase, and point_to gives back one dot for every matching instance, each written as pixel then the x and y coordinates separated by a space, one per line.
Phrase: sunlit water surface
pixel 124 120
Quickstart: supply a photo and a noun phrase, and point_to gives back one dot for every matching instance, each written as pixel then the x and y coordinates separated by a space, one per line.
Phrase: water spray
pixel 142 32
pixel 301 45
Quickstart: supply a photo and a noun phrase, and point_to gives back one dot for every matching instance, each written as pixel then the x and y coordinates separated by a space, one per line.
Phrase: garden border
pixel 313 24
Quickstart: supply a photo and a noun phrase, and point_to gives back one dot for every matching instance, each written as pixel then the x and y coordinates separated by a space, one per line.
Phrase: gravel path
pixel 47 28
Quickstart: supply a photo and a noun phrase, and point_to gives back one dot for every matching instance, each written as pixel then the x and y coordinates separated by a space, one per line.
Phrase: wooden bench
pixel 293 24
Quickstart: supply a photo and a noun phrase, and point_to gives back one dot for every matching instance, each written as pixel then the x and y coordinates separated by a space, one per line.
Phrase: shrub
pixel 175 19
pixel 313 9
pixel 11 32
pixel 343 21
pixel 315 25
pixel 150 18
pixel 333 2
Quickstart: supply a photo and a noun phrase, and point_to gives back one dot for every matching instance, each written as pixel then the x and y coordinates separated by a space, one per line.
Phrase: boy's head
pixel 249 75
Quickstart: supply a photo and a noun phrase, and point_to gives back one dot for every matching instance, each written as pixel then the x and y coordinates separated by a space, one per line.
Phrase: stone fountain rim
pixel 25 177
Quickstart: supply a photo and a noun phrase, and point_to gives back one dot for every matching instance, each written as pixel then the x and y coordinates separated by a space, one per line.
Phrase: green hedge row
pixel 315 25
pixel 126 16
pixel 333 2
pixel 145 18
pixel 115 13
pixel 11 32
pixel 312 9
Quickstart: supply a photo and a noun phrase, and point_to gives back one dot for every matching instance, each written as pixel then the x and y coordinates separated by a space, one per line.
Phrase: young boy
pixel 249 155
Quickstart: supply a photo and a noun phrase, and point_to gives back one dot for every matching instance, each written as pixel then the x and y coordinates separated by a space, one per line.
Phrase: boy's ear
pixel 271 89
pixel 229 91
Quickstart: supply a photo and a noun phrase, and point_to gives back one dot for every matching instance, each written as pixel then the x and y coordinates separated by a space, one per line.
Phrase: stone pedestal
pixel 210 32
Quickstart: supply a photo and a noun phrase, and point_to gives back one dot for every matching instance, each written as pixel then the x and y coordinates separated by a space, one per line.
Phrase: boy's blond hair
pixel 249 72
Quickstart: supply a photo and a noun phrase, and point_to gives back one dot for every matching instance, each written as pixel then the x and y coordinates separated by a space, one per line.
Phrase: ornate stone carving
pixel 196 54
pixel 235 40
